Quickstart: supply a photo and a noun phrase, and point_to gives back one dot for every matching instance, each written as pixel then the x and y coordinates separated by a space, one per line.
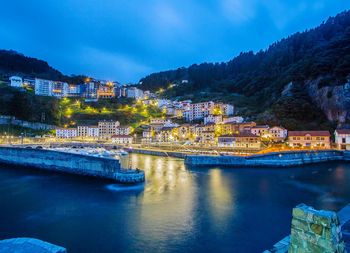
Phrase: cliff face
pixel 333 100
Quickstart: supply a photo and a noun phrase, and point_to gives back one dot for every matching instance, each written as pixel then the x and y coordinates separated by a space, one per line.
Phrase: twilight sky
pixel 125 40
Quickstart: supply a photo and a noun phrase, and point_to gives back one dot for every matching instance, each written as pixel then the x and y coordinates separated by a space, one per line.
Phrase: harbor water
pixel 176 210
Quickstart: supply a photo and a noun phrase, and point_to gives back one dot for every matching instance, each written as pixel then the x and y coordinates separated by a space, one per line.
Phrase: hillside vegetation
pixel 255 81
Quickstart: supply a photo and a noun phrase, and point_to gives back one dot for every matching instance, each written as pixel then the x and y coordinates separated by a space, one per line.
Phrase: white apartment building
pixel 16 81
pixel 107 128
pixel 44 87
pixel 199 110
pixel 342 139
pixel 93 131
pixel 66 133
pixel 134 92
pixel 88 131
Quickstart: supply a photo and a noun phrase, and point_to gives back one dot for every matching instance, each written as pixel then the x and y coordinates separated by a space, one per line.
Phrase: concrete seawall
pixel 277 159
pixel 157 152
pixel 107 168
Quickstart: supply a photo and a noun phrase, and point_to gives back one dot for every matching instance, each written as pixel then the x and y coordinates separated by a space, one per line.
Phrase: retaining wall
pixel 277 159
pixel 70 163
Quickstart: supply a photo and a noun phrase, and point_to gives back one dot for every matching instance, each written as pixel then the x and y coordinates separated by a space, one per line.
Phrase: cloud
pixel 105 64
pixel 238 11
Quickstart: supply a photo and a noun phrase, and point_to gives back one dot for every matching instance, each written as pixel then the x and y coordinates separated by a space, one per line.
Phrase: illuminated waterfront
pixel 177 210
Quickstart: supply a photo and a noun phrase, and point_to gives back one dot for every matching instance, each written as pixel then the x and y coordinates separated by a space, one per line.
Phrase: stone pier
pixel 29 245
pixel 315 231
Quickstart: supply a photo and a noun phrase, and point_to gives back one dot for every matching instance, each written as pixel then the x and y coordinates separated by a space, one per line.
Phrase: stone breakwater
pixel 99 167
pixel 276 159
pixel 29 245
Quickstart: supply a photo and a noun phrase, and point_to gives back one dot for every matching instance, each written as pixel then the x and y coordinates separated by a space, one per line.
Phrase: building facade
pixel 241 141
pixel 16 81
pixel 309 139
pixel 107 128
pixel 66 133
pixel 342 139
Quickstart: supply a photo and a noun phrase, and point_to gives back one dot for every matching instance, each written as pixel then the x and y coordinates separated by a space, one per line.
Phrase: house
pixel 277 133
pixel 309 139
pixel 242 141
pixel 121 139
pixel 16 81
pixel 66 133
pixel 107 128
pixel 262 131
pixel 342 139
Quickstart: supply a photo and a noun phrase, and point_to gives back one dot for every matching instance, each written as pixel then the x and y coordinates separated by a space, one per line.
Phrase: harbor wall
pixel 276 159
pixel 158 152
pixel 100 167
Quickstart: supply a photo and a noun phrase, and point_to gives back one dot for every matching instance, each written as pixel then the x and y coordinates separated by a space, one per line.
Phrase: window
pixel 343 140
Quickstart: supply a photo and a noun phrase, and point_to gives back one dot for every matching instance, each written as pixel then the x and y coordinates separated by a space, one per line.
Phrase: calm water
pixel 177 210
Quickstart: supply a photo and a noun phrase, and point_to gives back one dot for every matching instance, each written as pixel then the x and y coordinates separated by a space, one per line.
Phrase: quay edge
pixel 99 167
pixel 275 159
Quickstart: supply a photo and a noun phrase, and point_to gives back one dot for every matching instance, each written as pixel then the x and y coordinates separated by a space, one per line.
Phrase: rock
pixel 29 245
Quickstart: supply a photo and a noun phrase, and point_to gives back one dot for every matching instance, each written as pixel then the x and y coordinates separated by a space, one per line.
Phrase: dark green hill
pixel 315 62
pixel 13 63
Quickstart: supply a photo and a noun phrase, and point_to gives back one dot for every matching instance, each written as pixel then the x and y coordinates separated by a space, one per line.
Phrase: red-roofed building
pixel 309 139
pixel 244 141
pixel 342 139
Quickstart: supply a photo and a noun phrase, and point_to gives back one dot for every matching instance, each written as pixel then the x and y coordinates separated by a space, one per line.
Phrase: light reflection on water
pixel 176 210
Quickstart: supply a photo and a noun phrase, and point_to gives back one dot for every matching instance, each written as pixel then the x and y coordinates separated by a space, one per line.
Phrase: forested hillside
pixel 256 81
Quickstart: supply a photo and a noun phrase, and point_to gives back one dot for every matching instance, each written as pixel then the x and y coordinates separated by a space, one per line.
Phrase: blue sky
pixel 127 39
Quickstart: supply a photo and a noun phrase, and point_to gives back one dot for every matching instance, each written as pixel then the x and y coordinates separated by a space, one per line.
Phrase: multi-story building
pixel 44 87
pixel 66 133
pixel 262 131
pixel 309 139
pixel 207 138
pixel 213 119
pixel 88 131
pixel 166 134
pixel 16 81
pixel 342 139
pixel 199 111
pixel 29 82
pixel 60 89
pixel 123 130
pixel 134 92
pixel 240 141
pixel 236 119
pixel 231 128
pixel 122 139
pixel 106 90
pixel 277 133
pixel 224 109
pixel 107 128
